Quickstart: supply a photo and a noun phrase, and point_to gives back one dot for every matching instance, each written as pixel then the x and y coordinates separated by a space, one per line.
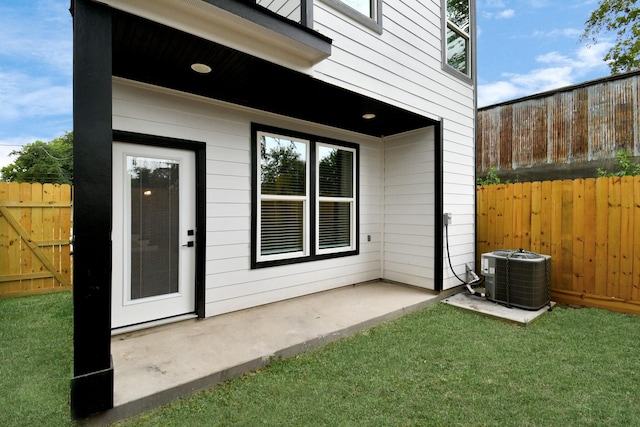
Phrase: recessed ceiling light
pixel 368 116
pixel 201 68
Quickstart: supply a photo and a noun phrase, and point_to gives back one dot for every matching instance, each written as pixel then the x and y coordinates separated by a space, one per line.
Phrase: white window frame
pixel 274 197
pixel 351 200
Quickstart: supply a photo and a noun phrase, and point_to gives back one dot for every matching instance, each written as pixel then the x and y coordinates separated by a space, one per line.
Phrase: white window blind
pixel 283 196
pixel 305 198
pixel 336 202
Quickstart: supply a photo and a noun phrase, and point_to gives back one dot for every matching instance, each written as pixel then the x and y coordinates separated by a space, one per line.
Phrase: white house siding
pixel 403 66
pixel 459 199
pixel 409 197
pixel 387 66
pixel 230 283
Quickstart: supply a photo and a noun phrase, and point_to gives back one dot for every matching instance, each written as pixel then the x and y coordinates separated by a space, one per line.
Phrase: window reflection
pixel 458 35
pixel 363 6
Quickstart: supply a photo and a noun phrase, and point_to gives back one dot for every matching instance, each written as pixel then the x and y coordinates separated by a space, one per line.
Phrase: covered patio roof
pixel 157 54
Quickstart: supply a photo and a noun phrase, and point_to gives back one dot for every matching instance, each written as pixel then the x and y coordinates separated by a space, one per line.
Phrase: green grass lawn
pixel 439 367
pixel 36 354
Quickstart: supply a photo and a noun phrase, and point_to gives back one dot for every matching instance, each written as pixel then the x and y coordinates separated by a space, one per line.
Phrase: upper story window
pixel 305 198
pixel 365 12
pixel 457 36
pixel 365 7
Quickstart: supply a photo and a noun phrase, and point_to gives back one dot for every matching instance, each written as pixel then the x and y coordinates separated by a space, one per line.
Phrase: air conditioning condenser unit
pixel 517 278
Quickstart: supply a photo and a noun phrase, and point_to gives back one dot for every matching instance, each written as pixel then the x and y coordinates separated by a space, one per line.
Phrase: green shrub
pixel 626 166
pixel 491 178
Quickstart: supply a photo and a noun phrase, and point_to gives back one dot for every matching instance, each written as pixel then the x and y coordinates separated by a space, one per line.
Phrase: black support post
pixel 439 207
pixel 92 382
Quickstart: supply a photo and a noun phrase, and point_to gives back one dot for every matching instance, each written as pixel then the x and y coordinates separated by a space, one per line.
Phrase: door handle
pixel 189 244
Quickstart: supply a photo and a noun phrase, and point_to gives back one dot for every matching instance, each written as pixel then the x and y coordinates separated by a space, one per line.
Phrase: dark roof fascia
pixel 545 94
pixel 268 19
pixel 137 57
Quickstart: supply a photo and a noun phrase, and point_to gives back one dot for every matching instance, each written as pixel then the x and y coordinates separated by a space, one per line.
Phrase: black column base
pixel 92 393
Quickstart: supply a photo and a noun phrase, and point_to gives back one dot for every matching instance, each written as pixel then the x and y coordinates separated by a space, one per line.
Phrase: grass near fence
pixel 35 359
pixel 439 367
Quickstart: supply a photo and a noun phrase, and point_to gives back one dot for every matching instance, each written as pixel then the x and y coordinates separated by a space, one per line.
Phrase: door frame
pixel 199 149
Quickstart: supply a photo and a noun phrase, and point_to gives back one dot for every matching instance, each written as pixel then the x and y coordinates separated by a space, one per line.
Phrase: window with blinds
pixel 284 196
pixel 335 166
pixel 305 198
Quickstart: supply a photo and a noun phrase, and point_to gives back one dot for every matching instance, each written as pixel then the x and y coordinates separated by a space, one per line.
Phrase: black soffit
pixel 153 53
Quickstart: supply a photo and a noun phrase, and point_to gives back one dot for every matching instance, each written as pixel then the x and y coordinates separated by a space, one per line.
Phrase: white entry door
pixel 154 220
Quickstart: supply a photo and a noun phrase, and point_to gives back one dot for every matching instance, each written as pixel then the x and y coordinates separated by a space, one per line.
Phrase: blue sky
pixel 524 47
pixel 531 46
pixel 35 72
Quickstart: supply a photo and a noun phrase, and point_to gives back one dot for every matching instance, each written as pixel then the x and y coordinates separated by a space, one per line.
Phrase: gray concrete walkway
pixel 155 366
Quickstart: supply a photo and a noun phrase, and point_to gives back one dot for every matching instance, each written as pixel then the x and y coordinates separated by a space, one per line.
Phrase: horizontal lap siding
pixel 403 66
pixel 389 66
pixel 408 207
pixel 458 187
pixel 231 284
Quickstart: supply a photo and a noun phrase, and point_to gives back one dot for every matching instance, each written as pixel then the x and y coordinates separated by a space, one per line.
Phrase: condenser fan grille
pixel 517 278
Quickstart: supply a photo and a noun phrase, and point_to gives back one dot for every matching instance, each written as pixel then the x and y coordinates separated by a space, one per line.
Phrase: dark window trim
pixel 313 140
pixel 372 24
pixel 472 44
pixel 439 208
pixel 200 149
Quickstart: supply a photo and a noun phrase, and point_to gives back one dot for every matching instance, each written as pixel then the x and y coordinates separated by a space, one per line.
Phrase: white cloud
pixel 35 72
pixel 27 97
pixel 494 3
pixel 38 36
pixel 557 71
pixel 13 144
pixel 506 14
pixel 573 33
pixel 537 4
pixel 503 14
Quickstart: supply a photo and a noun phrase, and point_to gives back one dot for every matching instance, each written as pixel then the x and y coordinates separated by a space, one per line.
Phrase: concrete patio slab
pixel 155 366
pixel 490 308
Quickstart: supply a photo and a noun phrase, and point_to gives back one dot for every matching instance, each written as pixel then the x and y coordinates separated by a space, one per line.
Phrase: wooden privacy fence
pixel 590 227
pixel 35 228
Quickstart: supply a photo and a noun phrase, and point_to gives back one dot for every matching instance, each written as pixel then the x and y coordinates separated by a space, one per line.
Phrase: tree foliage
pixel 621 17
pixel 44 162
pixel 282 167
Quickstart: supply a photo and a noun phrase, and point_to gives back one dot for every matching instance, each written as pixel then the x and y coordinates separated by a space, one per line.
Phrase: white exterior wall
pixel 459 199
pixel 409 203
pixel 387 66
pixel 230 283
pixel 403 66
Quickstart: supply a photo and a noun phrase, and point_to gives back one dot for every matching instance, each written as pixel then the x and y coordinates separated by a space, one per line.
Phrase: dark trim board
pixel 200 149
pixel 312 256
pixel 153 53
pixel 92 382
pixel 438 208
pixel 264 17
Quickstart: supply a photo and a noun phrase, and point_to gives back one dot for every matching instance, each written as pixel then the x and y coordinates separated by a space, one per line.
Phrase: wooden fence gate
pixel 35 231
